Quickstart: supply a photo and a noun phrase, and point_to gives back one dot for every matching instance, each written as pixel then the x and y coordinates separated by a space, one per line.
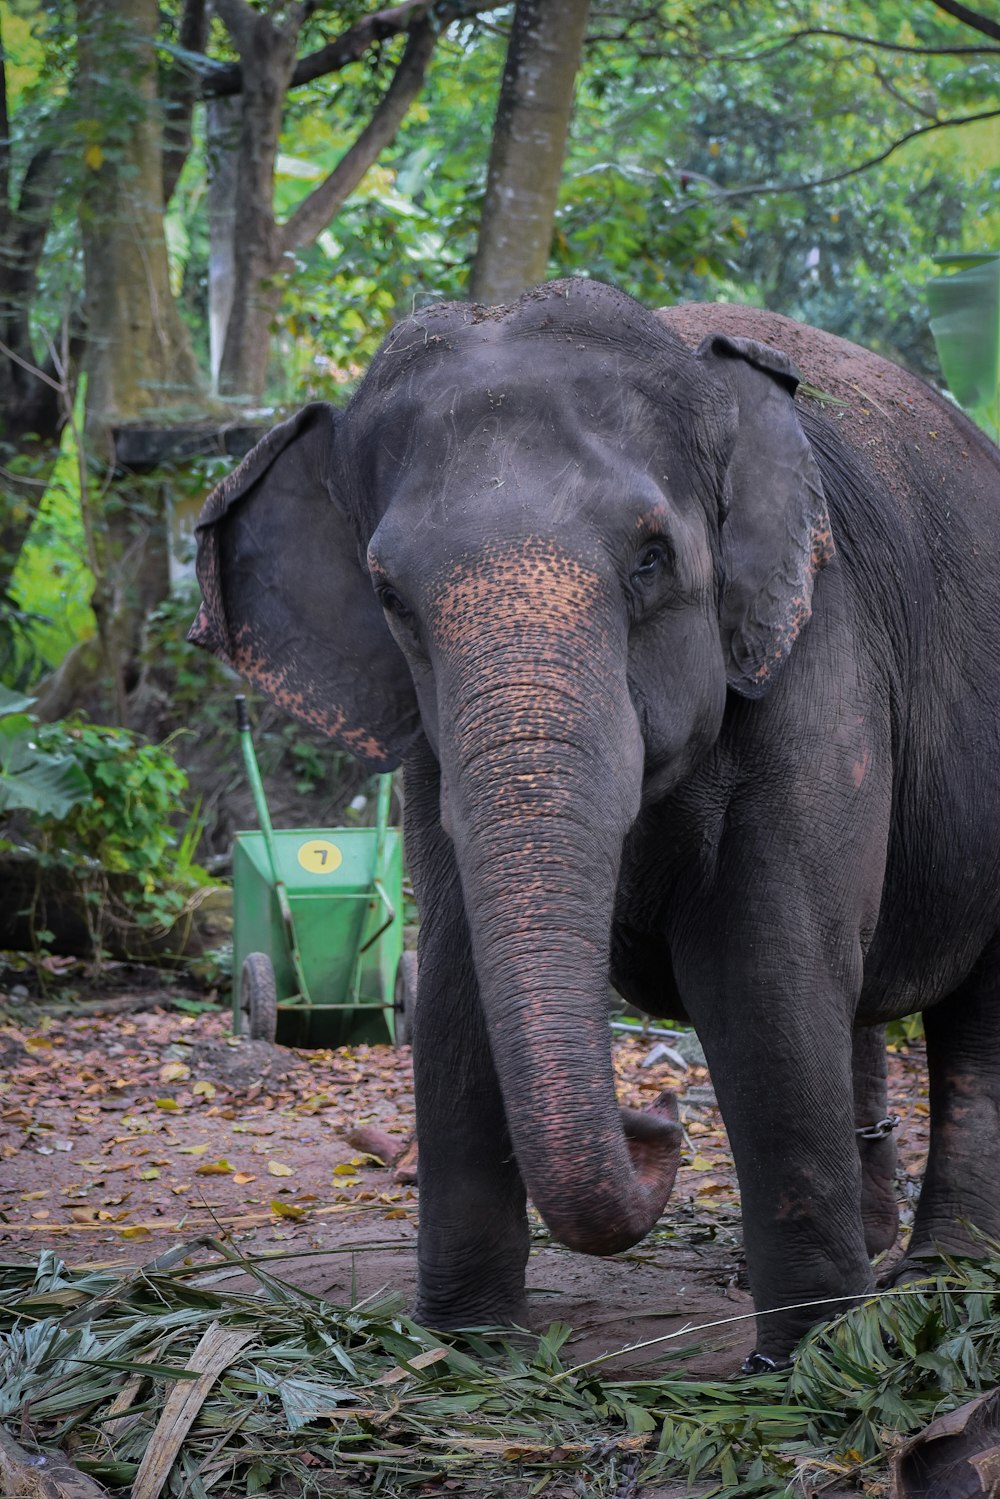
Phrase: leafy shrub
pixel 34 777
pixel 126 824
pixel 101 809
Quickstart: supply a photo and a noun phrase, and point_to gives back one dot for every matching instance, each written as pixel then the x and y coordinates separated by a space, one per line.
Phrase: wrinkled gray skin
pixel 694 682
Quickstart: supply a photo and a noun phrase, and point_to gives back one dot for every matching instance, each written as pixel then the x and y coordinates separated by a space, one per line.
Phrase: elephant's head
pixel 547 537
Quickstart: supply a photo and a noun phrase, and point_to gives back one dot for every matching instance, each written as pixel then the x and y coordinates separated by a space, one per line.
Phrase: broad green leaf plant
pixel 965 322
pixel 41 779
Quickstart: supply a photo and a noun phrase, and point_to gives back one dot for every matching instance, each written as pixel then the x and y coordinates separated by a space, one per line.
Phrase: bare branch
pixel 760 189
pixel 33 369
pixel 969 17
pixel 181 94
pixel 792 40
pixel 297 16
pixel 895 92
pixel 353 43
pixel 240 20
pixel 315 212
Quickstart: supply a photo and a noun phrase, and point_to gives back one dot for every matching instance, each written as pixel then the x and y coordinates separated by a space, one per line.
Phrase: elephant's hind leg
pixel 961 1189
pixel 879 1207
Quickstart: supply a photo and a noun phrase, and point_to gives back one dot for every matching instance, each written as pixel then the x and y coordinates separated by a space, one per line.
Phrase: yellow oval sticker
pixel 319 856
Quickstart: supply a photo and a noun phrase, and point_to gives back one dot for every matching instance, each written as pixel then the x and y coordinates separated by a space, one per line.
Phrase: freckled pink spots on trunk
pixel 534 583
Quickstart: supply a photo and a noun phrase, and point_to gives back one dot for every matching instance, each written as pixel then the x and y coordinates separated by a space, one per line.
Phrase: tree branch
pixel 793 40
pixel 239 19
pixel 353 43
pixel 296 18
pixel 969 17
pixel 760 189
pixel 33 369
pixel 181 94
pixel 895 92
pixel 315 212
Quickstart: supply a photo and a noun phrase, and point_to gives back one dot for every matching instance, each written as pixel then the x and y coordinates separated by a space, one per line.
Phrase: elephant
pixel 685 628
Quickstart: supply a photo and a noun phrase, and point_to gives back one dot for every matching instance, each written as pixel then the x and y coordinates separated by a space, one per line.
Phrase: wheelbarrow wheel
pixel 405 998
pixel 258 998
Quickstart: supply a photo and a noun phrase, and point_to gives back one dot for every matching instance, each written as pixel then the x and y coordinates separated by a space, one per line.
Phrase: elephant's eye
pixel 649 561
pixel 392 603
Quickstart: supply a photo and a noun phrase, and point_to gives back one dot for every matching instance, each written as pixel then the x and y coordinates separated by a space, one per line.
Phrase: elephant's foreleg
pixel 876 1141
pixel 779 1051
pixel 959 1191
pixel 473 1241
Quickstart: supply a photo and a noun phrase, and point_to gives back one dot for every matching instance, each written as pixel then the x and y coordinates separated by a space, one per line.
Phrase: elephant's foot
pixel 926 1258
pixel 485 1310
pixel 450 1302
pixel 759 1363
pixel 471 1273
pixel 779 1333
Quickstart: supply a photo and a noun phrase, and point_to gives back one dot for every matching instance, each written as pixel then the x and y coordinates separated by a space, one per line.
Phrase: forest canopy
pixel 212 211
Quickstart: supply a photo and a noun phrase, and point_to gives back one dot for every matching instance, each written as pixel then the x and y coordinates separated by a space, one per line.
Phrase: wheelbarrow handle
pixel 264 818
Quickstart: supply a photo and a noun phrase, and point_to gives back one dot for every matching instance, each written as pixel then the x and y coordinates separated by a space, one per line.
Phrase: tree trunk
pixel 138 358
pixel 223 127
pixel 267 52
pixel 262 250
pixel 529 141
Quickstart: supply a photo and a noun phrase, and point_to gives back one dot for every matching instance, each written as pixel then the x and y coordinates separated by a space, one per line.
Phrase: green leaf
pixel 34 780
pixel 13 702
pixel 965 322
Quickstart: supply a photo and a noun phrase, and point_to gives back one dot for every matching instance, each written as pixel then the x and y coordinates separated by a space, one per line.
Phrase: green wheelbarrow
pixel 318 954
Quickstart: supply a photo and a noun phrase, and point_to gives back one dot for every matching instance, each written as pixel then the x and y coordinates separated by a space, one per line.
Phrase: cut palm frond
pixel 283 1391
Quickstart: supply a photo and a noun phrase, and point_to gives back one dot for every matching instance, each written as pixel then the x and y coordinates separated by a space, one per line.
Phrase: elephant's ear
pixel 286 600
pixel 775 532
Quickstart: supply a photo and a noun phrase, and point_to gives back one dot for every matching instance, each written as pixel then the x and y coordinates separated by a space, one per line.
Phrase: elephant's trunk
pixel 542 765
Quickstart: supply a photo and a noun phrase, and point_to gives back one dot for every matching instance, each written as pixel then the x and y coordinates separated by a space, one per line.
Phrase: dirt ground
pixel 128 1132
pixel 123 1133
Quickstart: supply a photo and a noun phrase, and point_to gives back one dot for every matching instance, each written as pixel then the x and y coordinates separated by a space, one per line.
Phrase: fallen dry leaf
pixel 287 1209
pixel 420 1361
